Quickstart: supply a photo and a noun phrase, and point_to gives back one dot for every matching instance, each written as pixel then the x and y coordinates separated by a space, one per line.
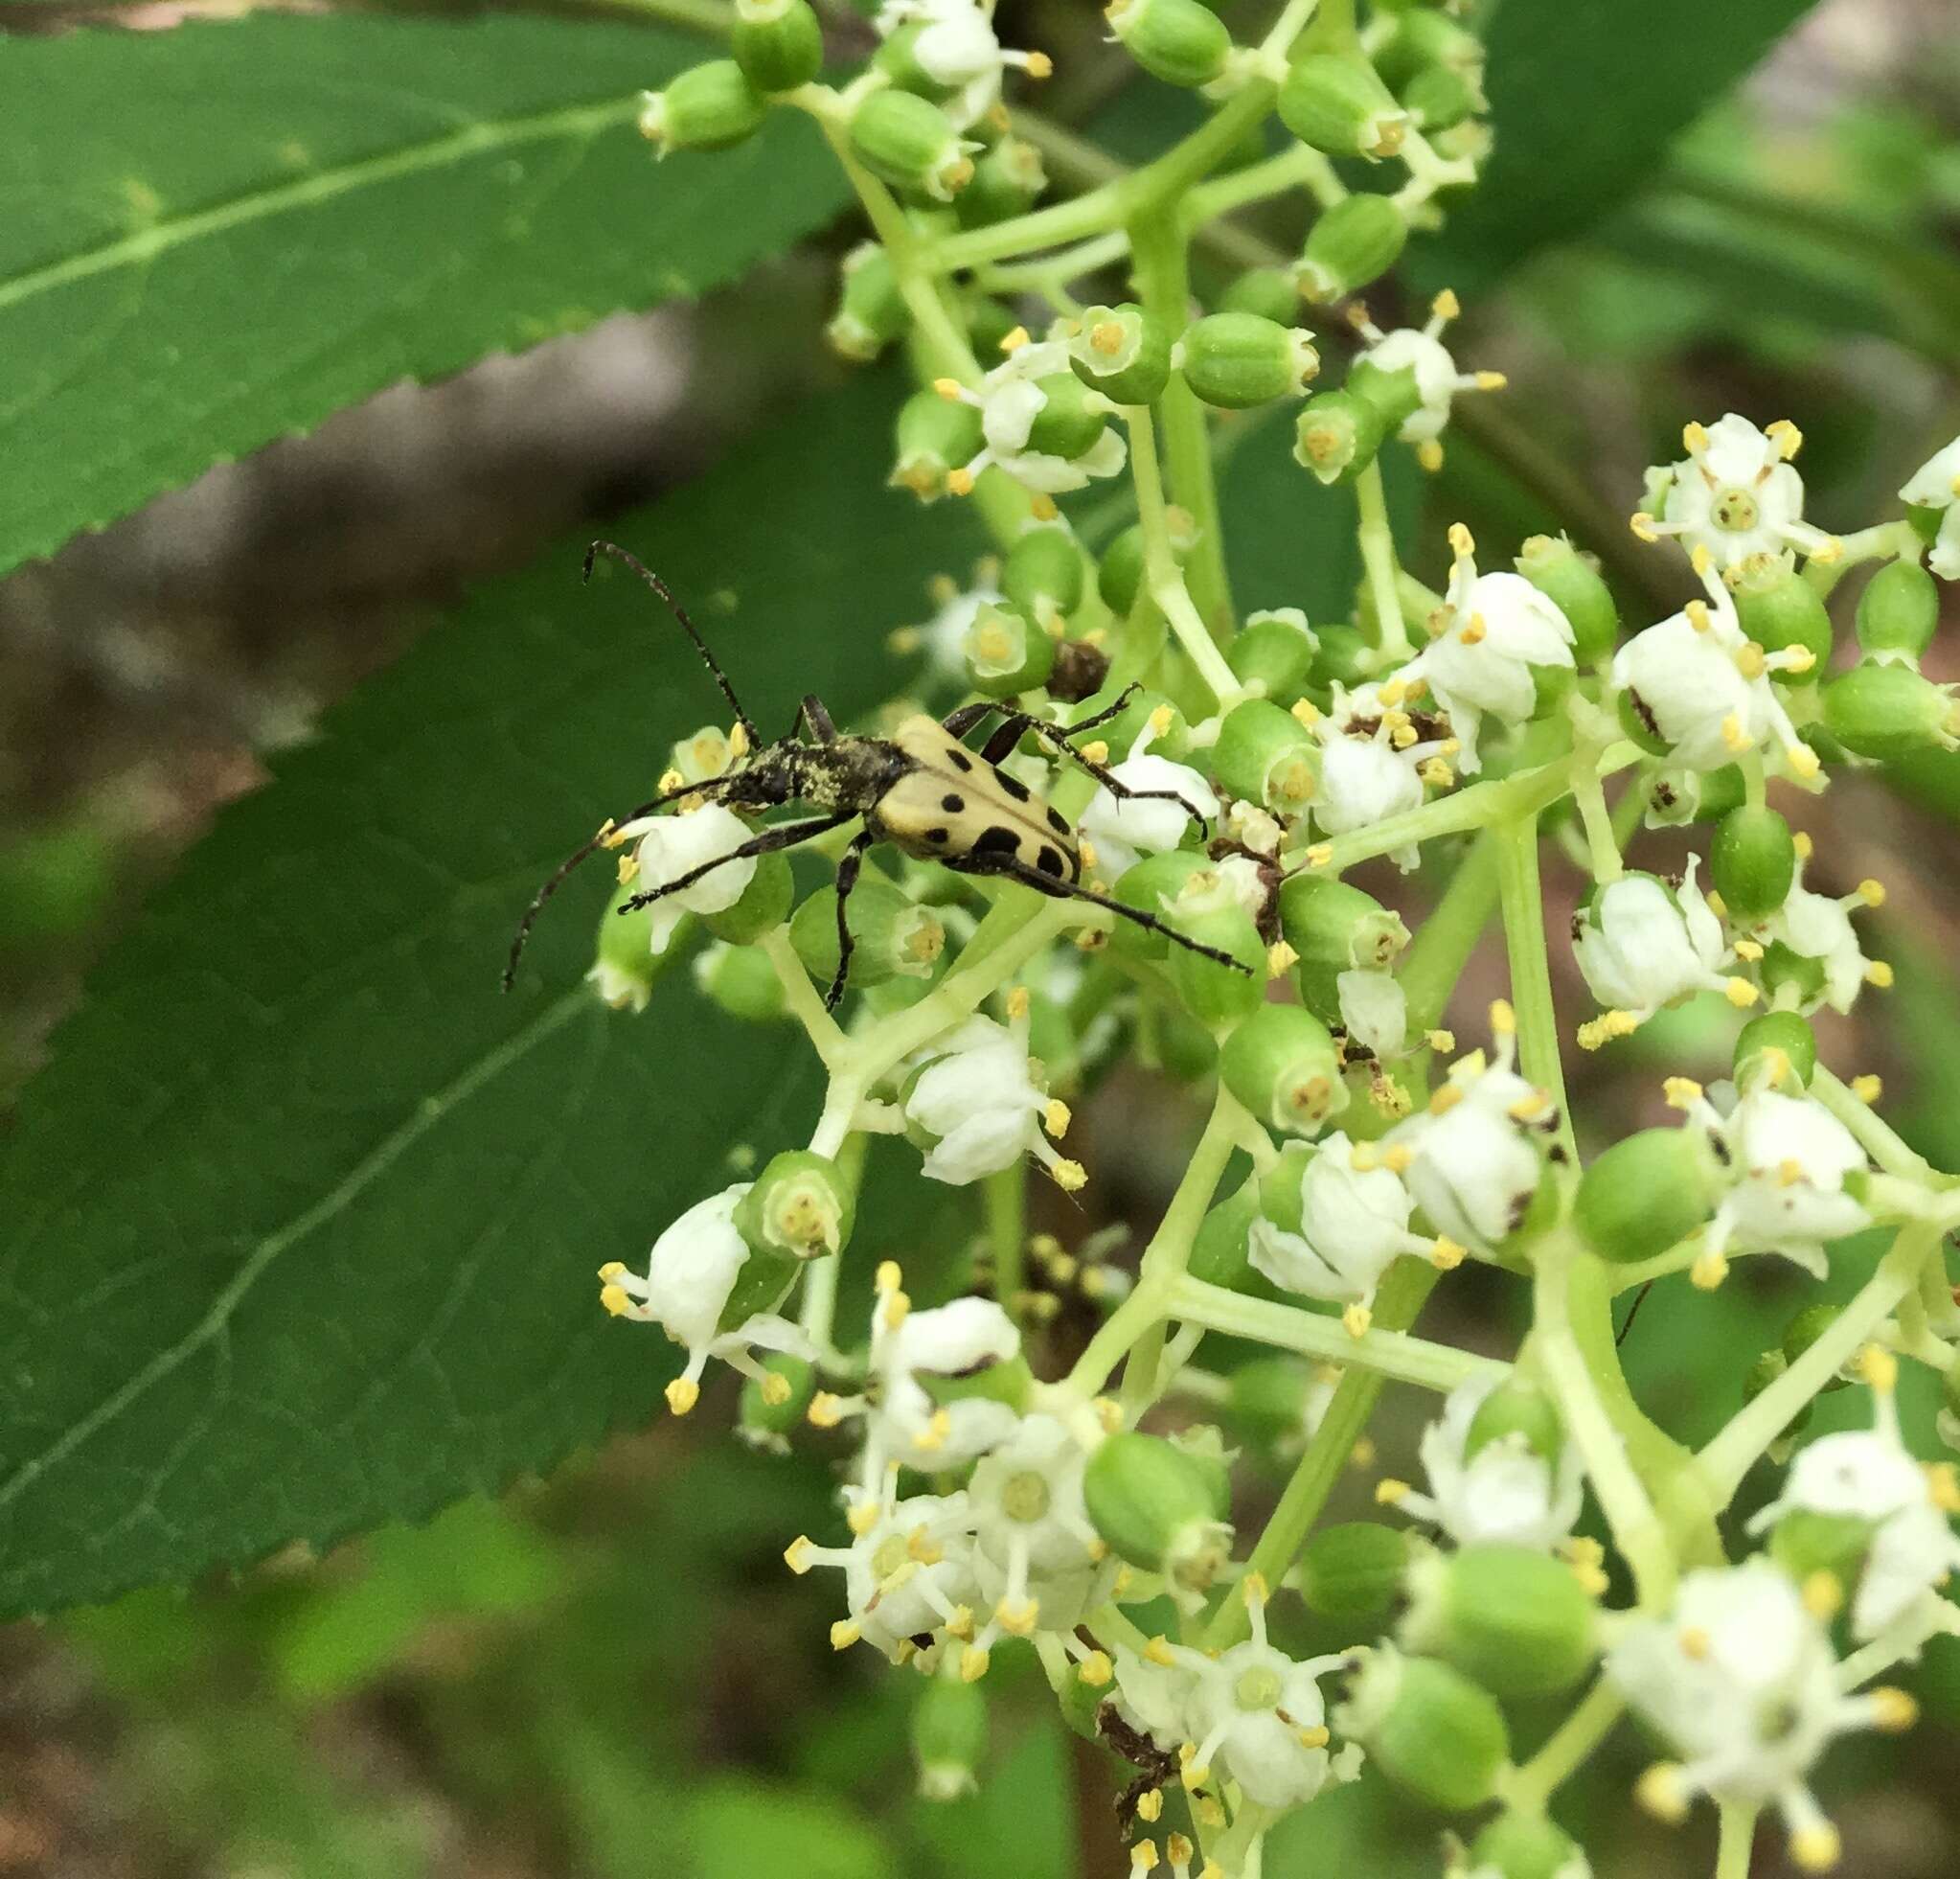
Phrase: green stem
pixel 1161 573
pixel 1378 557
pixel 1291 168
pixel 1875 1136
pixel 1601 843
pixel 1007 1192
pixel 1523 901
pixel 801 998
pixel 1738 1837
pixel 1445 941
pixel 1568 1746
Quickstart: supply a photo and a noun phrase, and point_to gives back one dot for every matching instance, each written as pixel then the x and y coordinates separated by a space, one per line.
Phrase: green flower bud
pixel 1779 609
pixel 1353 1572
pixel 1274 651
pixel 1517 1406
pixel 1151 885
pixel 1356 241
pixel 1008 181
pixel 1120 571
pixel 1281 1065
pixel 800 1205
pixel 935 435
pixel 1072 417
pixel 1897 613
pixel 1211 991
pixel 1526 1846
pixel 1336 928
pixel 1179 41
pixel 949 1737
pixel 1645 1193
pixel 1757 1378
pixel 1752 862
pixel 1337 102
pixel 1268 291
pixel 1006 652
pixel 1121 351
pixel 1438 98
pixel 908 142
pixel 1889 711
pixel 893 936
pixel 624 965
pixel 1571 582
pixel 898 58
pixel 772 1411
pixel 1782 1031
pixel 1805 1329
pixel 1159 1508
pixel 1336 436
pixel 1515 1620
pixel 1265 755
pixel 1237 360
pixel 1424 40
pixel 1785 970
pixel 1346 657
pixel 1268 1409
pixel 1044 575
pixel 779 44
pixel 739 981
pixel 1433 1731
pixel 1219 1252
pixel 707 107
pixel 871 311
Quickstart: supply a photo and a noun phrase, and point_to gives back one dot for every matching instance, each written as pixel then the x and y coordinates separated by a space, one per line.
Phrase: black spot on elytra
pixel 958 760
pixel 1010 785
pixel 997 840
pixel 1049 861
pixel 938 837
pixel 953 804
pixel 1058 822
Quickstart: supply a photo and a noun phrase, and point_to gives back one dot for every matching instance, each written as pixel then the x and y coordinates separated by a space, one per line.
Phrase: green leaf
pixel 218 235
pixel 303 1216
pixel 1584 101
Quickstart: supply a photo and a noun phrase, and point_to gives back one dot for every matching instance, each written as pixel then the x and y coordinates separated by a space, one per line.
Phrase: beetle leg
pixel 848 867
pixel 783 835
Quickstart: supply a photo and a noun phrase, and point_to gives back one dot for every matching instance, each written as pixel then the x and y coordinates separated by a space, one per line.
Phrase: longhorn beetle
pixel 921 789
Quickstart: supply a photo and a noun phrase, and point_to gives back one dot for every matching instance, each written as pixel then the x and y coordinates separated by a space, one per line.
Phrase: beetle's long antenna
pixel 679 612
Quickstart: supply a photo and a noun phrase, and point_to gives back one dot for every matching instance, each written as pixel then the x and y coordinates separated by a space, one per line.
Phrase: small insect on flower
pixel 920 789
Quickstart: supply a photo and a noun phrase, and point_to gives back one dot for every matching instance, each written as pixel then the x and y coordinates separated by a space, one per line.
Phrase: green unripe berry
pixel 1515 1620
pixel 1356 241
pixel 624 964
pixel 1044 575
pixel 1266 291
pixel 1185 1050
pixel 1338 435
pixel 1006 652
pixel 949 1737
pixel 1526 1846
pixel 771 1412
pixel 1780 1031
pixel 1424 40
pixel 1888 711
pixel 1151 886
pixel 871 310
pixel 1008 181
pixel 764 905
pixel 908 142
pixel 1572 582
pixel 1438 98
pixel 1158 1507
pixel 1237 360
pixel 1752 862
pixel 1120 571
pixel 1266 756
pixel 892 936
pixel 1897 613
pixel 1274 652
pixel 739 981
pixel 1121 351
pixel 708 107
pixel 1335 927
pixel 800 1205
pixel 1268 1406
pixel 1517 1406
pixel 1779 609
pixel 935 436
pixel 1647 1193
pixel 779 44
pixel 1805 1329
pixel 1219 1253
pixel 1433 1732
pixel 1337 102
pixel 1353 1572
pixel 1179 41
pixel 1213 991
pixel 1281 1065
pixel 988 322
pixel 1346 657
pixel 1072 417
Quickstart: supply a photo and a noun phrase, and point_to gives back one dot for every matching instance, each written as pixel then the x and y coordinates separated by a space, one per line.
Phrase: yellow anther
pixel 1108 1412
pixel 682 1394
pixel 1443 1040
pixel 1798 658
pixel 1803 761
pixel 1868 1088
pixel 1504 1020
pixel 1038 65
pixel 1879 1369
pixel 796 1555
pixel 1043 509
pixel 1445 1098
pixel 1306 712
pixel 1445 1255
pixel 1012 341
pixel 1057 1117
pixel 844 1634
pixel 1785 436
pixel 1280 959
pixel 1193 1774
pixel 1828 551
pixel 1096 1669
pixel 1702 560
pixel 933 1436
pixel 1357 1319
pixel 1789 1171
pixel 1823 1594
pixel 1071 1176
pixel 1740 994
pixel 1096 752
pixel 862 1516
pixel 1708 1270
pixel 1491 382
pixel 1391 692
pixel 920 1545
pixel 775 1388
pixel 1462 543
pixel 1641 525
pixel 1750 950
pixel 1429 455
pixel 959 482
pixel 1445 305
pixel 898 1307
pixel 1436 773
pixel 1179 1850
pixel 1871 892
pixel 961 1624
pixel 1751 661
pixel 973 1662
pixel 901 1576
pixel 1106 336
pixel 1211 1813
pixel 1161 719
pixel 1942 1484
pixel 1388 1491
pixel 1316 1737
pixel 1694 438
pixel 1397 1159
pixel 1528 1107
pixel 1880 974
pixel 628 867
pixel 949 389
pixel 1150 1805
pixel 1475 630
pixel 1695 1643
pixel 824 1412
pixel 1892 1708
pixel 1606 1027
pixel 1143 1856
pixel 1158 1652
pixel 1019 1619
pixel 1018 1003
pixel 1733 735
pixel 1659 1791
pixel 1403 736
pixel 1815 1848
pixel 1320 855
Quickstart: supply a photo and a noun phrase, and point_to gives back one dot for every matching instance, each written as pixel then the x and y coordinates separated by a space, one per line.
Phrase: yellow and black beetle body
pixel 921 789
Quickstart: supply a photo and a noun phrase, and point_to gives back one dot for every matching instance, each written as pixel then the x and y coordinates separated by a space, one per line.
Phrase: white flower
pixel 1701 686
pixel 1489 635
pixel 1355 1224
pixel 1420 351
pixel 691 1276
pixel 943 638
pixel 957 49
pixel 1787 1158
pixel 1741 1679
pixel 1871 1475
pixel 1936 485
pixel 1506 1494
pixel 671 846
pixel 1042 1562
pixel 1123 829
pixel 1374 1011
pixel 1469 1159
pixel 1371 755
pixel 978 1097
pixel 1819 928
pixel 908 1573
pixel 1641 944
pixel 1736 494
pixel 1252 1714
pixel 1009 400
